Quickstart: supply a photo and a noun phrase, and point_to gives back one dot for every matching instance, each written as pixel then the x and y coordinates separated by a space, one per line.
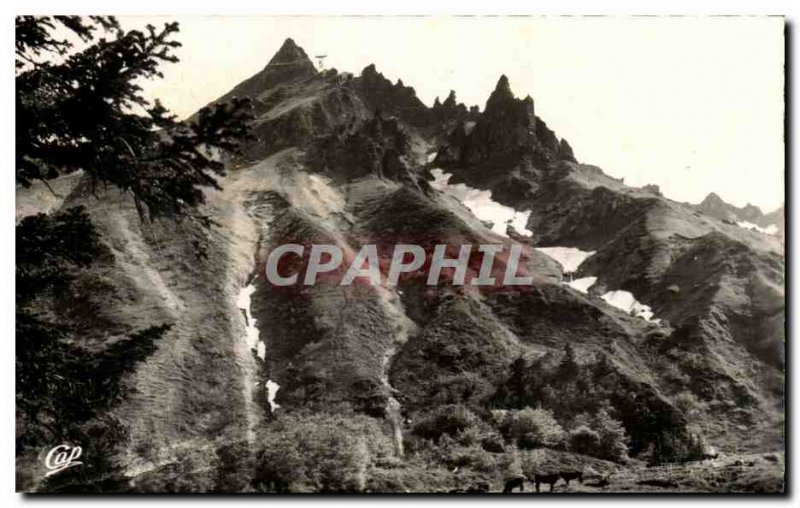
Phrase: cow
pixel 551 479
pixel 513 483
pixel 568 476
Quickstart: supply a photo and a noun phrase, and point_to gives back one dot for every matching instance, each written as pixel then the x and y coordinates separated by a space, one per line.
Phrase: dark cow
pixel 550 479
pixel 513 483
pixel 568 476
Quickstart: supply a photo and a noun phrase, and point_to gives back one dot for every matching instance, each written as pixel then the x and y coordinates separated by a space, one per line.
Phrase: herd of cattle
pixel 518 482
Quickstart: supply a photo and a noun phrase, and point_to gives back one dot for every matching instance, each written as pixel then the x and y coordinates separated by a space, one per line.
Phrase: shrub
pixel 686 403
pixel 613 440
pixel 337 463
pixel 320 452
pixel 451 420
pixel 533 428
pixel 679 445
pixel 493 443
pixel 464 388
pixel 584 440
pixel 474 458
pixel 278 464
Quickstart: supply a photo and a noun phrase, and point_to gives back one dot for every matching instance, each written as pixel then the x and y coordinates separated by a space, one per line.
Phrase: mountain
pixel 749 216
pixel 422 388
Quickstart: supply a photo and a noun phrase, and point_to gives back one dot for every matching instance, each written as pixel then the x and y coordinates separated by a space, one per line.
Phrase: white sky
pixel 693 105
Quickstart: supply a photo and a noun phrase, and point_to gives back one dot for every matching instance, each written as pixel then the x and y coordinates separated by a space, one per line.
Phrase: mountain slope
pixel 405 384
pixel 717 285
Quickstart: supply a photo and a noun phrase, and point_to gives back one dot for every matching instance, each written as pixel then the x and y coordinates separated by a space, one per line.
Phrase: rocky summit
pixel 652 333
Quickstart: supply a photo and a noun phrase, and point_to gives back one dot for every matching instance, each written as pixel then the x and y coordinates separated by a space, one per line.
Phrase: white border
pixel 404 7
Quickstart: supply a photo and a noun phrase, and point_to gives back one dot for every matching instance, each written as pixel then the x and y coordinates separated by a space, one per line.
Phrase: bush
pixel 464 388
pixel 584 440
pixel 686 403
pixel 278 464
pixel 533 428
pixel 320 452
pixel 452 420
pixel 613 440
pixel 473 458
pixel 675 446
pixel 493 443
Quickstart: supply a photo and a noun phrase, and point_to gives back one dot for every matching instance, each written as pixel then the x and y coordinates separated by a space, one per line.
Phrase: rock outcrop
pixel 507 136
pixel 377 147
pixel 380 95
pixel 716 207
pixel 446 114
pixel 290 63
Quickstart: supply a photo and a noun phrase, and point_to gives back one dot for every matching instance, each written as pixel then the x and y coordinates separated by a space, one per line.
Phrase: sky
pixel 691 104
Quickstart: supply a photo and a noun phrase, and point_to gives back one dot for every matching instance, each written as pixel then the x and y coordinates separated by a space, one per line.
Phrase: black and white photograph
pixel 470 256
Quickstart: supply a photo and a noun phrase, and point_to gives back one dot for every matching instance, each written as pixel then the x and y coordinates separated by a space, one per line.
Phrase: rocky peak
pixel 447 114
pixel 506 135
pixel 370 72
pixel 503 87
pixel 715 206
pixel 502 102
pixel 289 52
pixel 713 199
pixel 565 151
pixel 751 213
pixel 450 102
pixel 502 106
pixel 379 94
pixel 290 63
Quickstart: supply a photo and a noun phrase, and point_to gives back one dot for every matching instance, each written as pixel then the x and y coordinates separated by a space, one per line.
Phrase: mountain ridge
pixel 349 160
pixel 530 168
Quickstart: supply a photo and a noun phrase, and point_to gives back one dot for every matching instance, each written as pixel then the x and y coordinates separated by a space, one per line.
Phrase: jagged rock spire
pixel 290 63
pixel 450 102
pixel 712 197
pixel 291 60
pixel 502 103
pixel 290 54
pixel 507 132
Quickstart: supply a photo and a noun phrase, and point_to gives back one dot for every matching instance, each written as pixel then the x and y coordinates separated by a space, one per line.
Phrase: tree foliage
pixel 583 440
pixel 48 246
pixel 319 453
pixel 627 414
pixel 85 109
pixel 533 428
pixel 80 105
pixel 450 419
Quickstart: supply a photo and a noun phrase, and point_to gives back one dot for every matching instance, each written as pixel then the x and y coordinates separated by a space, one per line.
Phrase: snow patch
pixel 625 301
pixel 482 205
pixel 583 284
pixel 272 390
pixel 243 302
pixel 569 257
pixel 772 229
